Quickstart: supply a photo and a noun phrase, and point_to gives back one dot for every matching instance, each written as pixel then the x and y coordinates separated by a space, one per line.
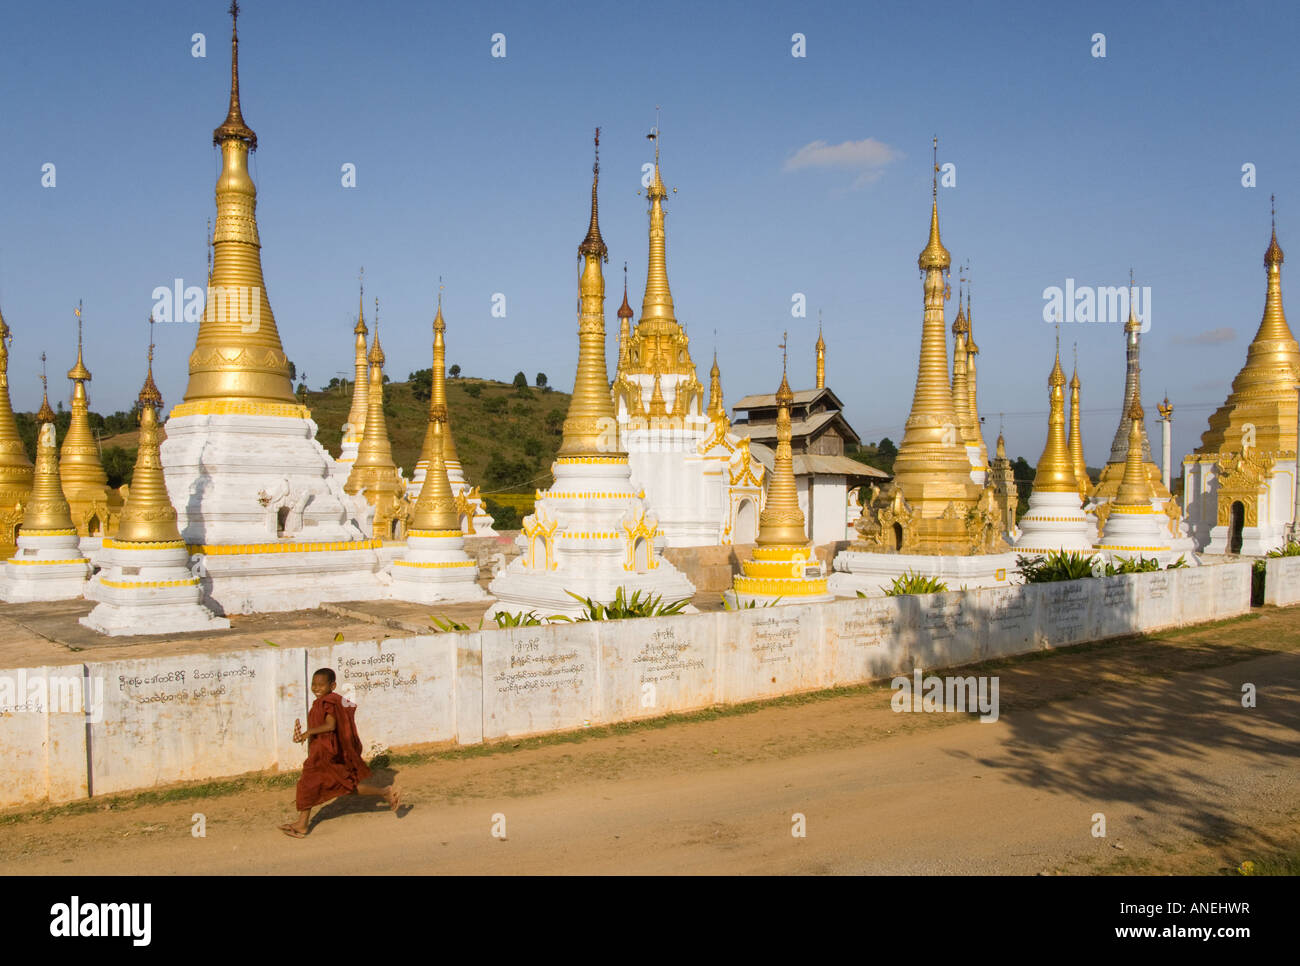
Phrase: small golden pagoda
pixel 1130 523
pixel 658 347
pixel 374 474
pixel 148 516
pixel 16 469
pixel 716 409
pixel 973 350
pixel 966 420
pixel 47 563
pixel 1002 480
pixel 821 356
pixel 1111 474
pixel 355 428
pixel 1084 481
pixel 95 506
pixel 933 506
pixel 783 565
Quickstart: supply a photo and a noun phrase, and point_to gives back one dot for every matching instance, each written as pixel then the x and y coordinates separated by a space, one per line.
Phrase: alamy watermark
pixel 70 693
pixel 951 693
pixel 188 303
pixel 1106 303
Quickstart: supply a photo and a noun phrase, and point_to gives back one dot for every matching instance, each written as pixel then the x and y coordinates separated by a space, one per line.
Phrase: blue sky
pixel 477 169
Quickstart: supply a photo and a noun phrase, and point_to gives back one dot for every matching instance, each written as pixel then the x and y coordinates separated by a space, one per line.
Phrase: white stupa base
pixel 1255 541
pixel 265 581
pixel 736 601
pixel 518 589
pixel 872 573
pixel 1054 521
pixel 600 541
pixel 264 495
pixel 1135 531
pixel 45 568
pixel 435 568
pixel 148 589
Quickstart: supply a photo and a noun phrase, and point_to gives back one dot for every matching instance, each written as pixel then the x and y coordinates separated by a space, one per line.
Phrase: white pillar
pixel 1166 435
pixel 1293 531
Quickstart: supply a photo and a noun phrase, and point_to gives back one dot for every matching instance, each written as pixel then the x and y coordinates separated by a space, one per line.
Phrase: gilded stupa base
pixel 1054 521
pixel 256 497
pixel 589 534
pixel 1135 530
pixel 475 521
pixel 435 568
pixel 779 574
pixel 873 573
pixel 147 589
pixel 47 565
pixel 1113 473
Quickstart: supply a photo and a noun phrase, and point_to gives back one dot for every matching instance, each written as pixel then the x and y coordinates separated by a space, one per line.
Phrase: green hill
pixel 506 436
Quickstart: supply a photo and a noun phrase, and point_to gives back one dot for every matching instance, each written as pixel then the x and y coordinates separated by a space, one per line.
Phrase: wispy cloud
pixel 1212 337
pixel 867 157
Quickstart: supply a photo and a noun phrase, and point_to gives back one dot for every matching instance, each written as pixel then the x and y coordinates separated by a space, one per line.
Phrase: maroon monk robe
pixel 334 763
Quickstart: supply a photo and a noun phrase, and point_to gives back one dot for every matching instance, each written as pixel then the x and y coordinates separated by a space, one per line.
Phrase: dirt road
pixel 1150 733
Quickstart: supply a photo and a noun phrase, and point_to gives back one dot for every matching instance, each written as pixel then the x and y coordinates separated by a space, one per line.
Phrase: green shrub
pixel 1056 565
pixel 504 516
pixel 623 607
pixel 474 389
pixel 914 583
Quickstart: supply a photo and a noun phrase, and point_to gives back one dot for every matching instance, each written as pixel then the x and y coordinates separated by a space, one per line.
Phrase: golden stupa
pixel 438 412
pixel 361 381
pixel 932 506
pixel 783 564
pixel 238 365
pixel 961 406
pixel 1109 480
pixel 435 511
pixel 374 473
pixel 821 358
pixel 658 346
pixel 1083 480
pixel 95 506
pixel 1055 472
pixel 716 409
pixel 16 470
pixel 148 516
pixel 590 431
pixel 47 513
pixel 1264 391
pixel 973 350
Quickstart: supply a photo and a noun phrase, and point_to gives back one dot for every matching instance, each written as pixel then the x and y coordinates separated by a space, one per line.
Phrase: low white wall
pixel 208 716
pixel 1282 581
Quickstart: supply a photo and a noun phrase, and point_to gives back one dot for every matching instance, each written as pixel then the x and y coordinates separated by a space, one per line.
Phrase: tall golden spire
pixel 932 467
pixel 1001 450
pixel 782 522
pixel 435 510
pixel 1055 473
pixel 716 408
pixel 148 516
pixel 1076 434
pixel 374 471
pixel 960 381
pixel 15 468
pixel 361 385
pixel 238 363
pixel 821 354
pixel 438 411
pixel 657 304
pixel 1135 487
pixel 972 350
pixel 1263 393
pixel 84 481
pixel 47 511
pixel 590 428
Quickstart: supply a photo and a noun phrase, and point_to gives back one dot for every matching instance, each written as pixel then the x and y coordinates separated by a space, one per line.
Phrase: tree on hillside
pixel 541 380
pixel 421 384
pixel 454 371
pixel 521 381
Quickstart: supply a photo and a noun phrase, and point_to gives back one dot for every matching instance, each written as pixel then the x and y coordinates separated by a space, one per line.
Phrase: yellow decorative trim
pixel 554 495
pixel 111 544
pixel 46 563
pixel 434 533
pixel 221 407
pixel 432 564
pixel 609 460
pixel 132 585
pixel 783 551
pixel 1031 518
pixel 24 532
pixel 1111 546
pixel 239 549
pixel 778 587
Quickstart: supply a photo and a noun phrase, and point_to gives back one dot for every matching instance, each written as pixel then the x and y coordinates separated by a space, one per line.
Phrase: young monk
pixel 334 764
